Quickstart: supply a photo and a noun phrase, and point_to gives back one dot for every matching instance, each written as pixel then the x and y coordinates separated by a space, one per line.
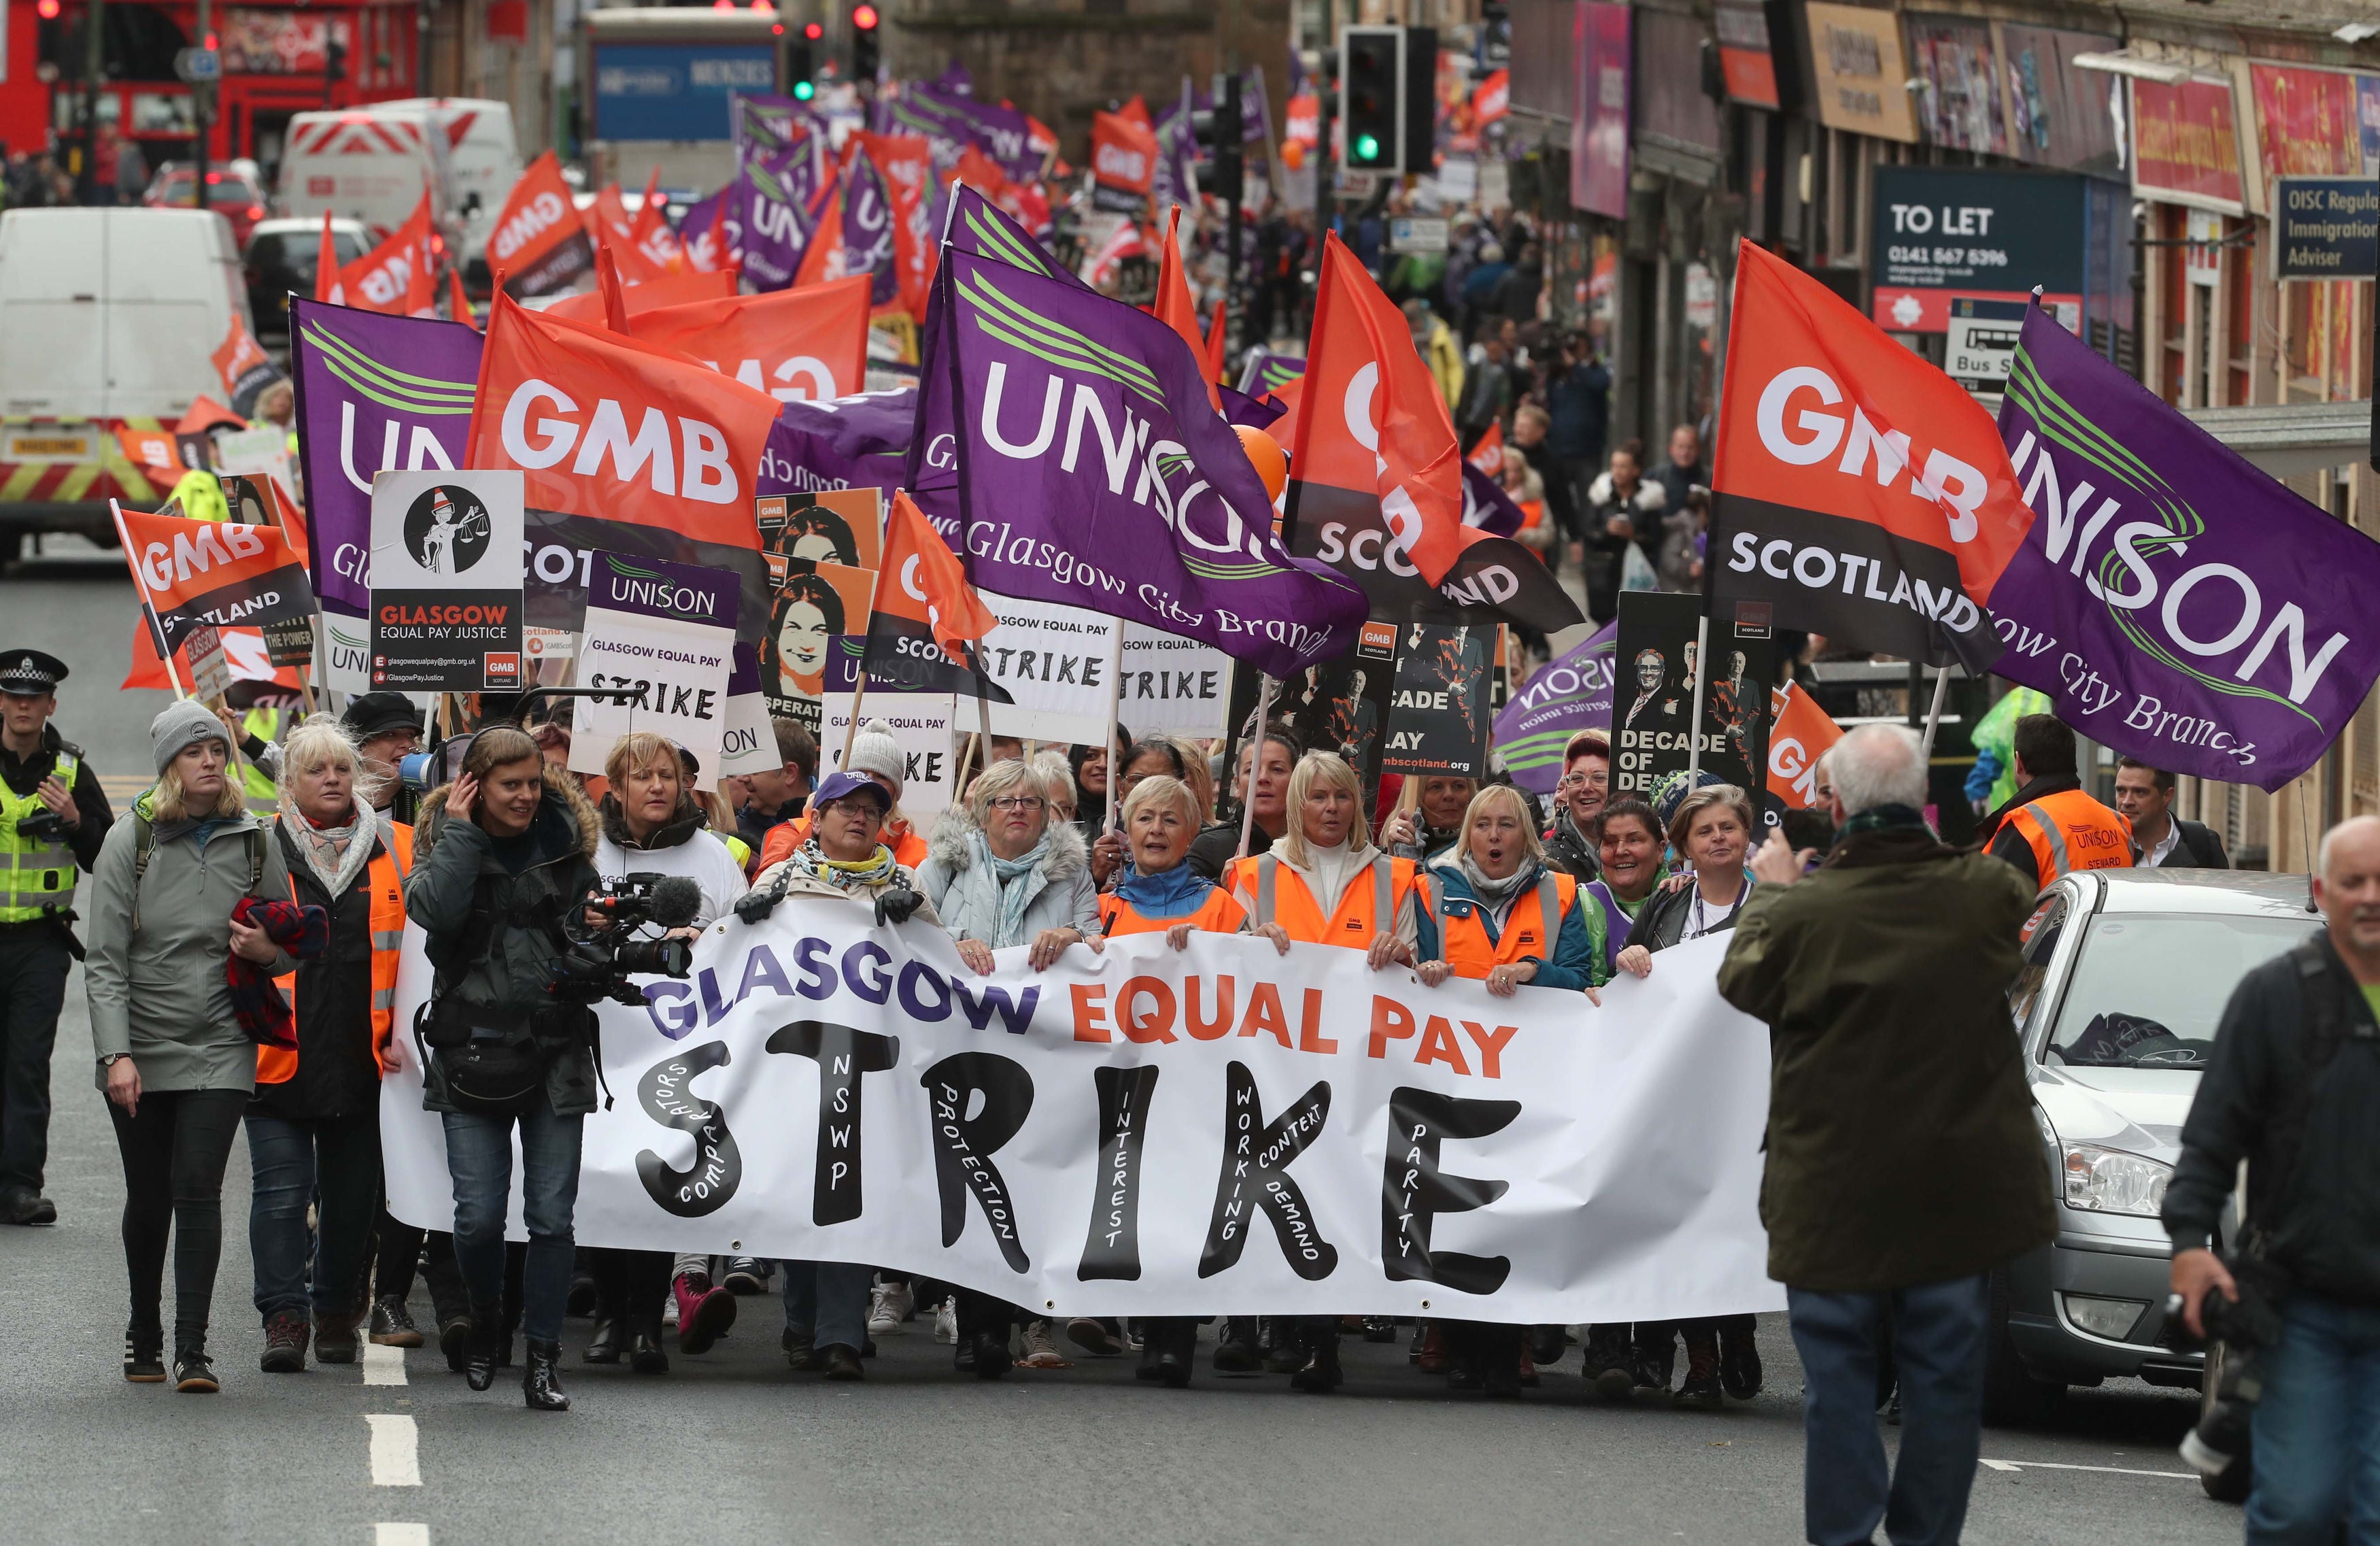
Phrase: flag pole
pixel 1934 714
pixel 1694 722
pixel 1115 763
pixel 1256 761
pixel 148 607
pixel 859 688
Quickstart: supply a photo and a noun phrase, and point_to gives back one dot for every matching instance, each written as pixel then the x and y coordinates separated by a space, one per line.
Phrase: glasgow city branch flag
pixel 1092 471
pixel 2174 601
pixel 1858 492
pixel 623 448
pixel 927 615
pixel 777 221
pixel 1376 475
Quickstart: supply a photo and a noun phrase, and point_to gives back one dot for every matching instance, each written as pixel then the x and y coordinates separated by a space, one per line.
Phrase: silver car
pixel 2126 975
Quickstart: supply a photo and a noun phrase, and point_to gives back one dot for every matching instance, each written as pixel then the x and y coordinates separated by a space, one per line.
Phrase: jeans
pixel 290 1160
pixel 829 1300
pixel 1939 1336
pixel 174 1152
pixel 33 967
pixel 480 1156
pixel 2318 1428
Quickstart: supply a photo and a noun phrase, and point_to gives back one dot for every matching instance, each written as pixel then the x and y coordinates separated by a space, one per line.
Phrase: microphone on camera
pixel 677 901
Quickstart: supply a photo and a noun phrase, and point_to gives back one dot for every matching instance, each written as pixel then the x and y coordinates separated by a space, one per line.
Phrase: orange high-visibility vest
pixel 1275 894
pixel 1218 914
pixel 385 875
pixel 908 848
pixel 1463 936
pixel 2071 831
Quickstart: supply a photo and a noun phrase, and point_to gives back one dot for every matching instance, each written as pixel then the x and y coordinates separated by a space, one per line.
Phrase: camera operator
pixel 842 863
pixel 2294 1089
pixel 651 825
pixel 501 856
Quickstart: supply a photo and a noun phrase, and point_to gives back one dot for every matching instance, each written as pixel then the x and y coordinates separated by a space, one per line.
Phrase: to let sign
pixel 2330 228
pixel 1942 231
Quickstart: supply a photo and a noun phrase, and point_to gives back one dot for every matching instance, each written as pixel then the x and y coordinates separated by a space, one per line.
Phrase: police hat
pixel 29 673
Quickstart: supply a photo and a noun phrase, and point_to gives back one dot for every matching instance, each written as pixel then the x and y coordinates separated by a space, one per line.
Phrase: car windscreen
pixel 2148 990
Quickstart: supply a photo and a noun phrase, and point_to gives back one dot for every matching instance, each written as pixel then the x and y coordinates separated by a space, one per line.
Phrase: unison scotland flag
pixel 2174 601
pixel 1567 696
pixel 1093 471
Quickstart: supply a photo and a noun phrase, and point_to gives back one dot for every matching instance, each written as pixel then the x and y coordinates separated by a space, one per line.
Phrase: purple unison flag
pixel 1487 505
pixel 1565 696
pixel 778 221
pixel 2176 602
pixel 860 441
pixel 1267 371
pixel 764 125
pixel 867 245
pixel 374 394
pixel 1093 471
pixel 918 111
pixel 955 79
pixel 982 227
pixel 695 227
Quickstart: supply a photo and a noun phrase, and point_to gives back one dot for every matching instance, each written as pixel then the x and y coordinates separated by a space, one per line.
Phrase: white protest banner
pixel 920 723
pixel 748 743
pixel 1146 1131
pixel 660 632
pixel 1053 660
pixel 446 581
pixel 1172 685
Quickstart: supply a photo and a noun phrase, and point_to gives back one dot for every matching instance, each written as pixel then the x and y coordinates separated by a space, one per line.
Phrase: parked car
pixel 234 192
pixel 2126 975
pixel 281 257
pixel 109 320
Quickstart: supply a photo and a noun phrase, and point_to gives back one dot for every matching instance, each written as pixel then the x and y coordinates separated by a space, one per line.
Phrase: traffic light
pixel 1372 84
pixel 1417 110
pixel 864 21
pixel 801 67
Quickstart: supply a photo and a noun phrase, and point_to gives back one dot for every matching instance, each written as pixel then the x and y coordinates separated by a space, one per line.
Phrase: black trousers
pixel 981 1313
pixel 33 966
pixel 399 1252
pixel 633 1285
pixel 174 1151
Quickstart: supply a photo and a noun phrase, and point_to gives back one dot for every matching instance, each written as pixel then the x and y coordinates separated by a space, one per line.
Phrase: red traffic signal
pixel 47 9
pixel 814 32
pixel 862 17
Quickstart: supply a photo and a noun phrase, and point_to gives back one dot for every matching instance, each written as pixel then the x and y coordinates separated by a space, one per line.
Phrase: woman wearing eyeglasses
pixel 1001 874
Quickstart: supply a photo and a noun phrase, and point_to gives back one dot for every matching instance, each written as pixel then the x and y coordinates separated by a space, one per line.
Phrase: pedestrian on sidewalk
pixel 175 1061
pixel 53 816
pixel 313 1129
pixel 1902 1161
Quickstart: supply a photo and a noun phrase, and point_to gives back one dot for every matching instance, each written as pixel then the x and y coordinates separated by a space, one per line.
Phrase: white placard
pixel 1053 660
pixel 663 631
pixel 446 581
pixel 210 672
pixel 920 723
pixel 750 742
pixel 1172 685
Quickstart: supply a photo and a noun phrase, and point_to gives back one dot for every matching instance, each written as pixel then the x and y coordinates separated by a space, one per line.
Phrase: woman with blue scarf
pixel 1002 873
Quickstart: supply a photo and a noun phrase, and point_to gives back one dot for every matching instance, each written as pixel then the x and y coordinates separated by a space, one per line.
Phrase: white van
pixel 109 319
pixel 370 164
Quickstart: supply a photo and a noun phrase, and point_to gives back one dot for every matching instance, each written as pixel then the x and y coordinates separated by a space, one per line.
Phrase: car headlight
pixel 2111 1181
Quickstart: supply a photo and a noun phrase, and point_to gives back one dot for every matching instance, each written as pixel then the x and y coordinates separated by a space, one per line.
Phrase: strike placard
pixel 446 581
pixel 1172 685
pixel 1055 661
pixel 661 634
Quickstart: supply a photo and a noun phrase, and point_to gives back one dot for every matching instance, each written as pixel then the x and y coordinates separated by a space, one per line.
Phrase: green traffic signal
pixel 804 91
pixel 1367 147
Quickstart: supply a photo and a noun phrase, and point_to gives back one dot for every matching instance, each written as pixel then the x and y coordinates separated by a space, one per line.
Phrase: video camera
pixel 602 957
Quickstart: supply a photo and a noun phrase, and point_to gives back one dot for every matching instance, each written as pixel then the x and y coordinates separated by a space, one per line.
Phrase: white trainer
pixel 946 1322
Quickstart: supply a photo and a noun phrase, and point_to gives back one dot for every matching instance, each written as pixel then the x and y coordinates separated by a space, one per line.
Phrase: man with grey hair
pixel 1902 1163
pixel 2293 1089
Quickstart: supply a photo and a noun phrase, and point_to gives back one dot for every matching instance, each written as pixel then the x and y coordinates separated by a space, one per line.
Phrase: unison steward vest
pixel 2071 831
pixel 386 876
pixel 1528 929
pixel 1218 914
pixel 37 874
pixel 1275 894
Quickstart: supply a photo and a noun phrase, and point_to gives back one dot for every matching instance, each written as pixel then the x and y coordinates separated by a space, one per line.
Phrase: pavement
pixel 398 1452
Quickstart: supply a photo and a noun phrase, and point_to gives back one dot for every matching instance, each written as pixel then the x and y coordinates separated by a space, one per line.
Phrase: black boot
pixel 992 1359
pixel 604 1346
pixel 490 1347
pixel 1178 1349
pixel 1236 1353
pixel 1278 1336
pixel 1318 1335
pixel 541 1380
pixel 1152 1350
pixel 646 1354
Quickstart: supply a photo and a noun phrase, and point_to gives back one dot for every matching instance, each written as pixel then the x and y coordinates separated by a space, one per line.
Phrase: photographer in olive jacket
pixel 501 856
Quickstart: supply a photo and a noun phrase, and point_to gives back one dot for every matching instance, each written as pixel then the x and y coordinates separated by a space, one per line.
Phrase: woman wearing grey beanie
pixel 172 1059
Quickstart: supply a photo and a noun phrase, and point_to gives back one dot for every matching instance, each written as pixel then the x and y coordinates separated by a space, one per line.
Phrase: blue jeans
pixel 336 1159
pixel 1938 1335
pixel 2318 1428
pixel 480 1156
pixel 829 1300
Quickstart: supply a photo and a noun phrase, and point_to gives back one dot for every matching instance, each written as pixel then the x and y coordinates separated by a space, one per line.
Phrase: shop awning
pixel 2291 440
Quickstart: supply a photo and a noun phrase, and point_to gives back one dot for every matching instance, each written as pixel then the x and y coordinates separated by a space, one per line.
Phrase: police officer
pixel 52 814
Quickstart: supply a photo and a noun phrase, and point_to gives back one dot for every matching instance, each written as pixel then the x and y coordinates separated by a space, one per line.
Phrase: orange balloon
pixel 1270 461
pixel 1293 153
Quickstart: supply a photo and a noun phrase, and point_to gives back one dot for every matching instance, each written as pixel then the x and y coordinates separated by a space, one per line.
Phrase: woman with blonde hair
pixel 174 1060
pixel 313 1129
pixel 1323 882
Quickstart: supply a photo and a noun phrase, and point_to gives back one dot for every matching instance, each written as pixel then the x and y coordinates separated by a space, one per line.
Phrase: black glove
pixel 756 905
pixel 894 904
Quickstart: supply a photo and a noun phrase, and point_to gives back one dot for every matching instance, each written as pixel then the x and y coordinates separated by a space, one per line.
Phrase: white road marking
pixel 384 1365
pixel 396 1452
pixel 400 1535
pixel 2109 1470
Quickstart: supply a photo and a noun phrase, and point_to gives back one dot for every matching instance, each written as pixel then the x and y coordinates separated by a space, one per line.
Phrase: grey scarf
pixel 1497 896
pixel 335 855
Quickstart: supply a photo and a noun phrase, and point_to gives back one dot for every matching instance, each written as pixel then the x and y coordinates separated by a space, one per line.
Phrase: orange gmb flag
pixel 326 267
pixel 245 368
pixel 393 277
pixel 1174 306
pixel 200 573
pixel 677 289
pixel 1799 734
pixel 1487 455
pixel 927 613
pixel 539 244
pixel 623 446
pixel 651 235
pixel 1858 492
pixel 802 345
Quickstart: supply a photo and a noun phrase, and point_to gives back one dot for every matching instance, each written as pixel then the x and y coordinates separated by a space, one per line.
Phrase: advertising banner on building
pixel 1744 58
pixel 2325 227
pixel 1598 134
pixel 2186 146
pixel 2058 114
pixel 1148 1131
pixel 2306 122
pixel 1856 59
pixel 446 581
pixel 1958 100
